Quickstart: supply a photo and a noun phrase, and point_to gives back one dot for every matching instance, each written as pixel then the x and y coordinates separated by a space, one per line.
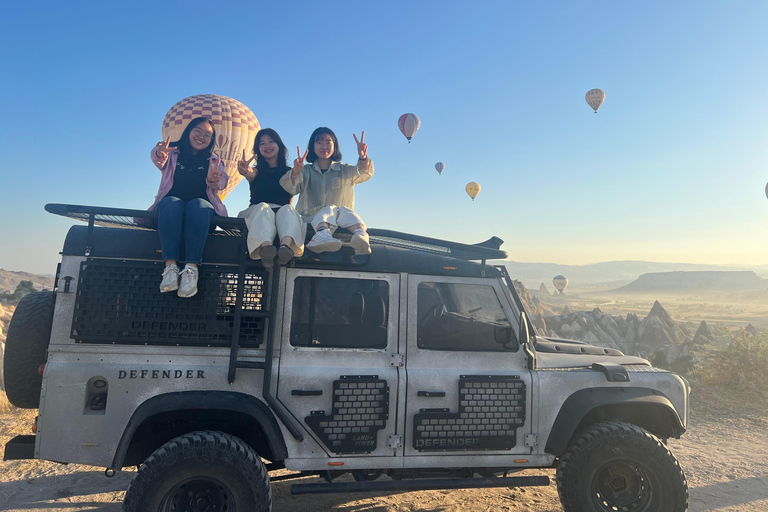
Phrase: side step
pixel 20 447
pixel 419 485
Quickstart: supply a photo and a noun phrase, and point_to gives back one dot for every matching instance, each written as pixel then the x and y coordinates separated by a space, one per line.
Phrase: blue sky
pixel 672 168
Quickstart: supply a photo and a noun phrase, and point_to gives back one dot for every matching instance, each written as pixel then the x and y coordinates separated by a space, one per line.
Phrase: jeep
pixel 416 363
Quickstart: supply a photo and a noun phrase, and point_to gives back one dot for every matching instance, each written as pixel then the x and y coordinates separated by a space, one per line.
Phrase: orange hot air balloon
pixel 472 188
pixel 439 167
pixel 409 124
pixel 235 125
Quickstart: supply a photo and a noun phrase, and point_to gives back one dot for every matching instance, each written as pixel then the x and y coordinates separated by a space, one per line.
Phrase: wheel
pixel 616 466
pixel 26 348
pixel 201 472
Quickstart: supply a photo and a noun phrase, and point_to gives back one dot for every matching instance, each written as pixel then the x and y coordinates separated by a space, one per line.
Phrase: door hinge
pixel 531 439
pixel 394 441
pixel 397 360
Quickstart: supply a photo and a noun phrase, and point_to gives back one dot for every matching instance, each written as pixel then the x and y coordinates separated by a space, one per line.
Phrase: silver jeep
pixel 411 368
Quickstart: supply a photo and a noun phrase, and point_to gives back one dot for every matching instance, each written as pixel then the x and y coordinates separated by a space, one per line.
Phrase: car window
pixel 339 313
pixel 452 316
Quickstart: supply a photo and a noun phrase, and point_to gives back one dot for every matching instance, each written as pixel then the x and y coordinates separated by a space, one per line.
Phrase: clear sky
pixel 672 168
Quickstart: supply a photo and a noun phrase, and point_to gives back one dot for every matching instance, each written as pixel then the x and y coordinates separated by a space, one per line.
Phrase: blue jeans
pixel 193 219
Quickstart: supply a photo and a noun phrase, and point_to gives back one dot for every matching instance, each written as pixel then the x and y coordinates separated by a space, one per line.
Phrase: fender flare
pixel 218 400
pixel 582 402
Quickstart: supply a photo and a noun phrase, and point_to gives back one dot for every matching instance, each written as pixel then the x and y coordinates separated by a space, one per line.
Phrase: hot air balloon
pixel 595 98
pixel 235 125
pixel 409 124
pixel 439 166
pixel 472 188
pixel 766 190
pixel 560 283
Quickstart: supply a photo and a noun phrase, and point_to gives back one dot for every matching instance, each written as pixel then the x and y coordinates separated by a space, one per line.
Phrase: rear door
pixel 468 390
pixel 335 375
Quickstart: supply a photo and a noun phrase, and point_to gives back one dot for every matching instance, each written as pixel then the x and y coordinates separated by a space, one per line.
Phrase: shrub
pixel 742 364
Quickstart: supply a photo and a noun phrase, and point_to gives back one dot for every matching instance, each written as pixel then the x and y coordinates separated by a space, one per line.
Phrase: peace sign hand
pixel 244 166
pixel 163 148
pixel 298 164
pixel 362 147
pixel 214 174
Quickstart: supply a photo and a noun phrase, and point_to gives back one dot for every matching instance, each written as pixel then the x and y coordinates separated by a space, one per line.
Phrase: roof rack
pixel 231 226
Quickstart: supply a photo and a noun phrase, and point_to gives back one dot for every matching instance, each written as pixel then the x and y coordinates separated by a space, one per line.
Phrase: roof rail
pixel 141 219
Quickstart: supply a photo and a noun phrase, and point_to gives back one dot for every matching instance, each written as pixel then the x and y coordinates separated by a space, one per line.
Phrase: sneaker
pixel 323 241
pixel 268 254
pixel 188 286
pixel 170 279
pixel 360 242
pixel 284 255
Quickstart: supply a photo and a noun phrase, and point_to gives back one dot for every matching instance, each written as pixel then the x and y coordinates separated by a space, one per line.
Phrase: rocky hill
pixel 694 281
pixel 657 337
pixel 10 279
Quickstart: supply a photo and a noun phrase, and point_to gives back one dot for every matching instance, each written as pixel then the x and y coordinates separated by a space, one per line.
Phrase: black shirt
pixel 189 179
pixel 266 188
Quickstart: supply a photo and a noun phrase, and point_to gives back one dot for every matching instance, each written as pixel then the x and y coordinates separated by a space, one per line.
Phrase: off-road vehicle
pixel 414 367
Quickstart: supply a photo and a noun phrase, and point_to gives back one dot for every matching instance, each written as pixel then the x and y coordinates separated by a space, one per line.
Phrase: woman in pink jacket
pixel 187 200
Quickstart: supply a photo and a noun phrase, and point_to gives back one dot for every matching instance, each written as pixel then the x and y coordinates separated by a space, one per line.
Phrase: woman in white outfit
pixel 270 212
pixel 327 190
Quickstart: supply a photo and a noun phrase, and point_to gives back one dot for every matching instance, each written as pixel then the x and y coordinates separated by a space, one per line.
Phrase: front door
pixel 468 391
pixel 336 376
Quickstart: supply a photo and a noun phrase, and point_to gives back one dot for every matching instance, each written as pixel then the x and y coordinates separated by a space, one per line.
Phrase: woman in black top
pixel 186 201
pixel 270 212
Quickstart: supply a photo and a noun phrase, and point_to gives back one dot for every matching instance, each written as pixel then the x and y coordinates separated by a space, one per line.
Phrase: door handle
pixel 431 394
pixel 307 392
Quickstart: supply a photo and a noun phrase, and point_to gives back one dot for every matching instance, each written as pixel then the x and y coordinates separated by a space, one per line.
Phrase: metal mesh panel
pixel 359 410
pixel 490 410
pixel 120 302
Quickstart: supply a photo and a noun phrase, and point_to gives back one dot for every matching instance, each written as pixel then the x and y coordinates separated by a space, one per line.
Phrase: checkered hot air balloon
pixel 235 124
pixel 409 124
pixel 439 166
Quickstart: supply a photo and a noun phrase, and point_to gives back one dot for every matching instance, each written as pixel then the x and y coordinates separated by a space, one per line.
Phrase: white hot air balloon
pixel 595 98
pixel 560 283
pixel 409 124
pixel 472 188
pixel 439 167
pixel 235 126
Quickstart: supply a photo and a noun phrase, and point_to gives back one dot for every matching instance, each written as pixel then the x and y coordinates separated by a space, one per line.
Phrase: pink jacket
pixel 168 167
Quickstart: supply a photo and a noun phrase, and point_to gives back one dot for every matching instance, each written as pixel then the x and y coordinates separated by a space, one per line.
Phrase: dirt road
pixel 724 455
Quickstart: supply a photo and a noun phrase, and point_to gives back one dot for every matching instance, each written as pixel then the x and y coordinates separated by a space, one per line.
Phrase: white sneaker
pixel 188 286
pixel 170 279
pixel 360 242
pixel 323 241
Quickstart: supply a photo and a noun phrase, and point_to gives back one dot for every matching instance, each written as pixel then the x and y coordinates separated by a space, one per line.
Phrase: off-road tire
pixel 26 348
pixel 207 468
pixel 619 466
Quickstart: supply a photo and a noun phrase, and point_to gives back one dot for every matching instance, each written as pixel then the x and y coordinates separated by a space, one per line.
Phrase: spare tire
pixel 26 348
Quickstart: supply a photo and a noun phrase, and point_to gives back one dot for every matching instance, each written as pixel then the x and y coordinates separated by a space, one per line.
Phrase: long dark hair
pixel 312 156
pixel 282 151
pixel 186 148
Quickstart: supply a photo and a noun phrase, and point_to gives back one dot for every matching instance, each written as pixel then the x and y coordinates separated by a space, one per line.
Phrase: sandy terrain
pixel 724 454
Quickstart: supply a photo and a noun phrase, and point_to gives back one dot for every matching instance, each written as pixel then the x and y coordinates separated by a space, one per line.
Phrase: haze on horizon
pixel 671 169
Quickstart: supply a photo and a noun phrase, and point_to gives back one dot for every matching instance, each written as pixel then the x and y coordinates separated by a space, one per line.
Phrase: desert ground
pixel 724 455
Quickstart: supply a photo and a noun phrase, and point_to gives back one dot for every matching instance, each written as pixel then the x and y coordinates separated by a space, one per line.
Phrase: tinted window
pixel 462 317
pixel 339 313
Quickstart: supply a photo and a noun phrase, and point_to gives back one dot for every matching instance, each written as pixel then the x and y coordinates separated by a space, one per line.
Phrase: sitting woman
pixel 187 200
pixel 270 212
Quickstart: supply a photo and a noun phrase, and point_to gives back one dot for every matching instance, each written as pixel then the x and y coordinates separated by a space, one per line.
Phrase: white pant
pixel 263 224
pixel 335 216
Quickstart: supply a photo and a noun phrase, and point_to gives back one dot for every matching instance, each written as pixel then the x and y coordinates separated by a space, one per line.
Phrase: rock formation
pixel 657 335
